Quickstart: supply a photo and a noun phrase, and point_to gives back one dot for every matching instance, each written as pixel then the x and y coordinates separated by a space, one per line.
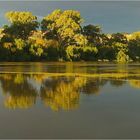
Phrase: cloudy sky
pixel 117 16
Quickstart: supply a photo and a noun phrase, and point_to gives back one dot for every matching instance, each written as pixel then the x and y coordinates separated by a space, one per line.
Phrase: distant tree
pixel 94 35
pixel 118 37
pixel 92 30
pixel 134 49
pixel 121 52
pixel 133 36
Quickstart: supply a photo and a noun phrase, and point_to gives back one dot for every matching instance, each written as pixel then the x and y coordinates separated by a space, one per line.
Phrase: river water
pixel 69 100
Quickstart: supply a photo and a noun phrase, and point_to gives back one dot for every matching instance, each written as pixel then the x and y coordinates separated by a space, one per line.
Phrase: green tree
pixel 44 48
pixel 118 37
pixel 122 57
pixel 20 44
pixel 22 23
pixel 94 35
pixel 134 49
pixel 121 52
pixel 68 32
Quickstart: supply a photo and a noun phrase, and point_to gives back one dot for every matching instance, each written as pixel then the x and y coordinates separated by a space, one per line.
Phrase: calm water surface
pixel 69 100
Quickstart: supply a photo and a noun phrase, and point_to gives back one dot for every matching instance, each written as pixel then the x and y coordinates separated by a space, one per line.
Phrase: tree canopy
pixel 61 36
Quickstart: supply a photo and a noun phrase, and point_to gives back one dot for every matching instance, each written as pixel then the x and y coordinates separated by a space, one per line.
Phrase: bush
pixel 122 57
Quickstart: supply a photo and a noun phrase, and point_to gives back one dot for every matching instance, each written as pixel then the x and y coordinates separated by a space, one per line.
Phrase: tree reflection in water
pixel 62 94
pixel 18 91
pixel 56 92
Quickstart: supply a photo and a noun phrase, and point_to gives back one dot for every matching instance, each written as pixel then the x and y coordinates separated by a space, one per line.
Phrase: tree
pixel 4 52
pixel 94 35
pixel 121 52
pixel 19 92
pixel 61 36
pixel 134 46
pixel 133 36
pixel 122 57
pixel 36 43
pixel 92 30
pixel 22 23
pixel 118 37
pixel 42 47
pixel 59 94
pixel 67 32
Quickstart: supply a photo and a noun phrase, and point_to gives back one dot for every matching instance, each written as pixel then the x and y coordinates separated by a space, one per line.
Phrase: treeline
pixel 60 36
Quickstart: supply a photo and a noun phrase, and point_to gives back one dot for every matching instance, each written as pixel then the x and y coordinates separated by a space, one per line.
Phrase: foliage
pixel 121 52
pixel 122 57
pixel 73 53
pixel 61 36
pixel 118 37
pixel 106 52
pixel 89 53
pixel 22 23
pixel 20 44
pixel 134 49
pixel 67 32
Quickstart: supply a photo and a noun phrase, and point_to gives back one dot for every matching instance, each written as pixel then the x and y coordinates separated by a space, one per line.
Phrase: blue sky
pixel 117 16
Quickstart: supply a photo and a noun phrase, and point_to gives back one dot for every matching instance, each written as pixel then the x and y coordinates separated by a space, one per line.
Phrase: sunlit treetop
pixel 75 15
pixel 119 37
pixel 62 19
pixel 65 27
pixel 135 35
pixel 20 17
pixel 22 23
pixel 92 30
